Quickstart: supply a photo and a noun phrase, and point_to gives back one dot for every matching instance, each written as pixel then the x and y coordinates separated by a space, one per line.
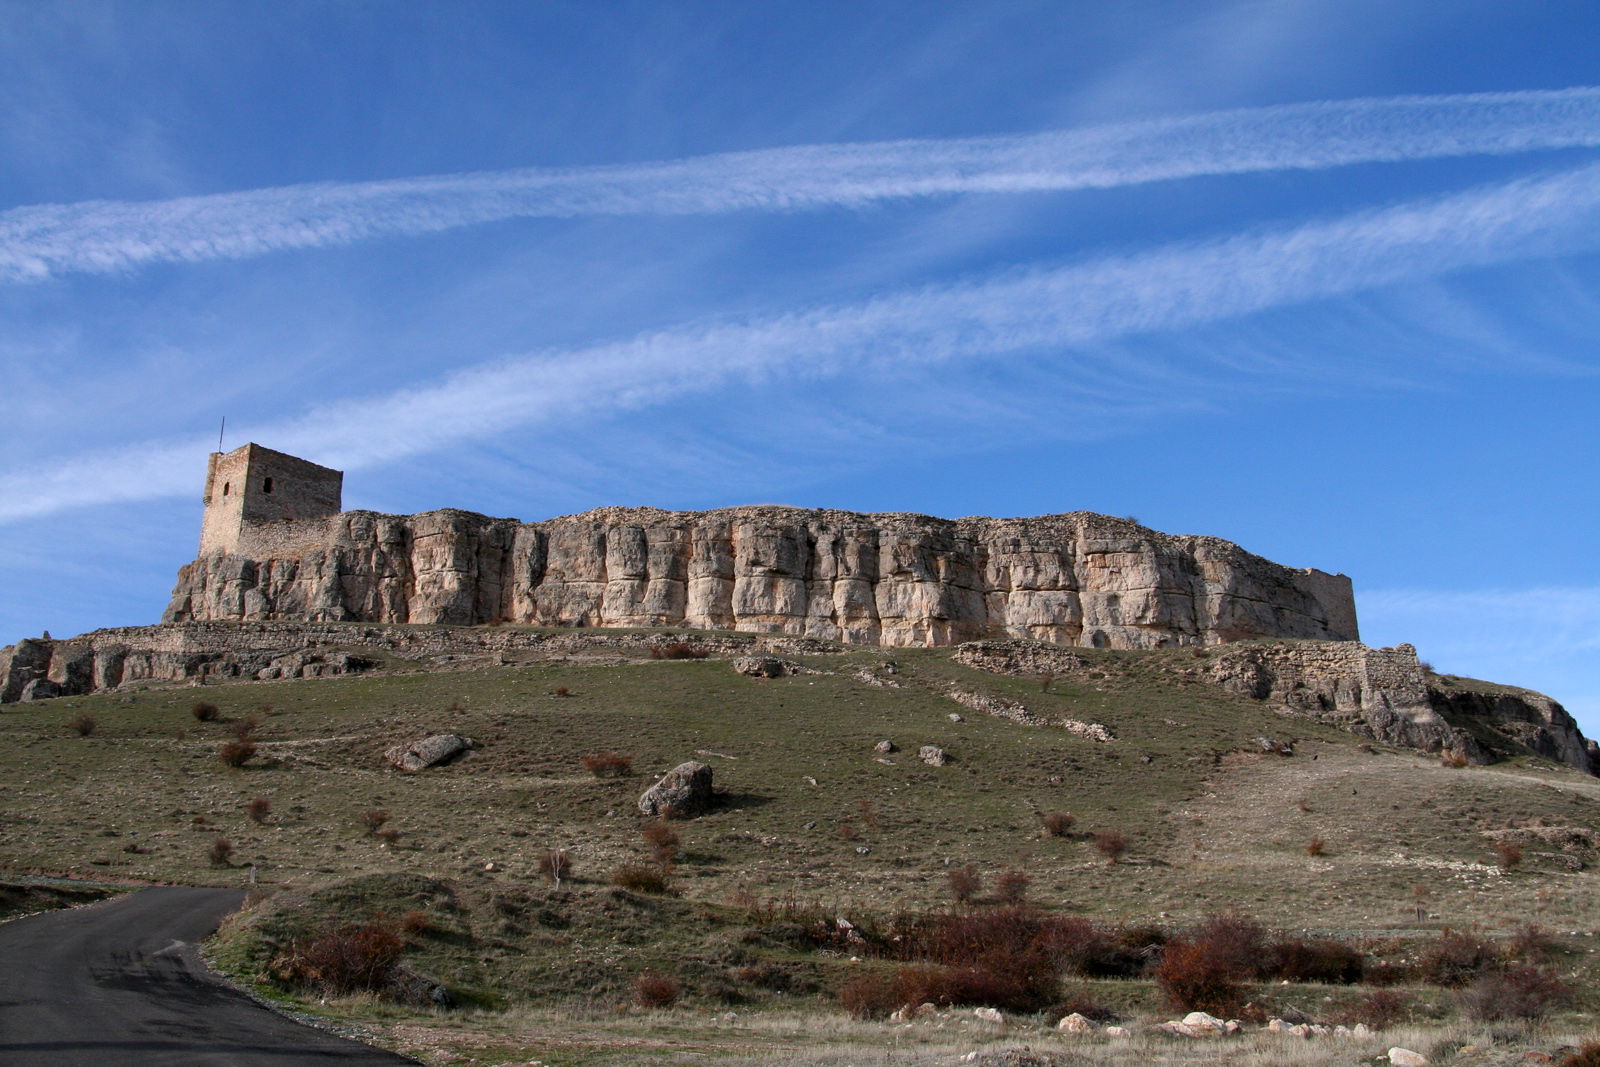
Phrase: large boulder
pixel 685 790
pixel 428 751
pixel 765 666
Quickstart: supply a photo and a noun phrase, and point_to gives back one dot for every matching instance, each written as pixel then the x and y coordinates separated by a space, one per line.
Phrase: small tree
pixel 258 809
pixel 965 883
pixel 220 853
pixel 205 711
pixel 1012 886
pixel 236 753
pixel 554 866
pixel 1057 823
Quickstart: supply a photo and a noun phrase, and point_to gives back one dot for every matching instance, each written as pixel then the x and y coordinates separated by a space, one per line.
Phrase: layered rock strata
pixel 885 579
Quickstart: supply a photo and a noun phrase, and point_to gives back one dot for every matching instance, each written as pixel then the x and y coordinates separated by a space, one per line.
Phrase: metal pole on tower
pixel 221 428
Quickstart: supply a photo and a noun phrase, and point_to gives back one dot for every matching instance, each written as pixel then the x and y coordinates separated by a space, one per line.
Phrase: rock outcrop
pixel 682 792
pixel 885 579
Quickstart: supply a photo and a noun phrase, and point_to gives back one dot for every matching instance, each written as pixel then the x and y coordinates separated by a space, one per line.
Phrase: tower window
pixel 266 485
pixel 225 487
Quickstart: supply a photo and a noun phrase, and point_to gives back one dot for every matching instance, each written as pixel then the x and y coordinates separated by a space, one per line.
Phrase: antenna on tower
pixel 221 428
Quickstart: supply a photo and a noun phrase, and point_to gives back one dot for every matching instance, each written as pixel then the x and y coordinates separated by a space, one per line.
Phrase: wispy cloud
pixel 43 241
pixel 1038 313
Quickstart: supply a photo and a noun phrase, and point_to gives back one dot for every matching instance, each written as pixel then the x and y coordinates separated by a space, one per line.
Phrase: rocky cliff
pixel 886 579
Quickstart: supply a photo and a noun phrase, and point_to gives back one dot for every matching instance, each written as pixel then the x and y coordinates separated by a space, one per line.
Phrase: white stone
pixel 1404 1057
pixel 1075 1024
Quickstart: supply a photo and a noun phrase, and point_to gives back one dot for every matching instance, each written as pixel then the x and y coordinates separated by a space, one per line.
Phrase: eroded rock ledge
pixel 883 579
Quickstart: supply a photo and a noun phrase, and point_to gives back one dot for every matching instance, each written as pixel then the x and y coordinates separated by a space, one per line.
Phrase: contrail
pixel 44 241
pixel 1035 314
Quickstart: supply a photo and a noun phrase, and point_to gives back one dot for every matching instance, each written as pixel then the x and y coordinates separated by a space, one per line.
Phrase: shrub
pixel 608 763
pixel 1236 942
pixel 341 959
pixel 236 753
pixel 1453 758
pixel 373 819
pixel 245 729
pixel 1111 844
pixel 1319 960
pixel 1456 958
pixel 1379 1009
pixel 1507 852
pixel 1076 946
pixel 390 836
pixel 1044 682
pixel 258 809
pixel 1057 823
pixel 1316 847
pixel 205 711
pixel 1000 957
pixel 1531 943
pixel 220 853
pixel 554 866
pixel 847 832
pixel 653 990
pixel 965 883
pixel 871 996
pixel 1012 886
pixel 83 725
pixel 663 842
pixel 562 691
pixel 640 879
pixel 678 650
pixel 1585 1055
pixel 1523 993
pixel 415 922
pixel 1195 978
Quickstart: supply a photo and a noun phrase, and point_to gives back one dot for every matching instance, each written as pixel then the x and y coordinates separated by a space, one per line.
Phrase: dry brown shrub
pixel 1528 994
pixel 1379 1009
pixel 389 836
pixel 1112 844
pixel 258 809
pixel 1585 1055
pixel 236 753
pixel 678 650
pixel 562 691
pixel 847 832
pixel 640 878
pixel 1453 758
pixel 83 725
pixel 1314 960
pixel 1012 886
pixel 1456 958
pixel 205 711
pixel 965 883
pixel 1196 979
pixel 220 854
pixel 372 820
pixel 663 842
pixel 608 764
pixel 414 923
pixel 245 729
pixel 1057 823
pixel 1507 853
pixel 654 990
pixel 342 959
pixel 1316 847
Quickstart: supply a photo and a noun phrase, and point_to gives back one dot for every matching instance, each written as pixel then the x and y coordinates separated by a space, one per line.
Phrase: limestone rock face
pixel 683 791
pixel 885 579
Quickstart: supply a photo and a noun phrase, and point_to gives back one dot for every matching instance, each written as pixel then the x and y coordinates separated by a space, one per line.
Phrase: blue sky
pixel 1322 278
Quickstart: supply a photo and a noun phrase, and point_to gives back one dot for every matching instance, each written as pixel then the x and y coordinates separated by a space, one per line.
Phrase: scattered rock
pixel 765 666
pixel 420 991
pixel 428 751
pixel 933 756
pixel 1075 1024
pixel 1273 747
pixel 685 790
pixel 1199 1024
pixel 886 747
pixel 1404 1057
pixel 955 716
pixel 988 1015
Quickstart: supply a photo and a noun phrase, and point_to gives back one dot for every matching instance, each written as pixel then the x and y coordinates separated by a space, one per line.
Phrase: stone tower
pixel 253 485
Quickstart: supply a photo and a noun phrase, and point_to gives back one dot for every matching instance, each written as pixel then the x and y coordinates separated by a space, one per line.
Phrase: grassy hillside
pixel 811 819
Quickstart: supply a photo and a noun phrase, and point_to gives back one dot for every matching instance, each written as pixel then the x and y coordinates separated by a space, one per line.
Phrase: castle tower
pixel 252 484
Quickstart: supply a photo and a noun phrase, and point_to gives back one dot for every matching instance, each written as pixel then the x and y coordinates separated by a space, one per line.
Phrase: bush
pixel 871 996
pixel 236 753
pixel 678 650
pixel 1453 758
pixel 965 883
pixel 414 923
pixel 653 990
pixel 1528 994
pixel 562 691
pixel 1195 978
pixel 1379 1009
pixel 1057 823
pixel 258 809
pixel 341 959
pixel 1531 943
pixel 554 866
pixel 640 879
pixel 1457 958
pixel 83 725
pixel 390 836
pixel 1320 960
pixel 205 711
pixel 608 763
pixel 663 842
pixel 373 819
pixel 1012 886
pixel 1585 1055
pixel 1316 846
pixel 1111 844
pixel 1235 941
pixel 1507 852
pixel 220 853
pixel 245 729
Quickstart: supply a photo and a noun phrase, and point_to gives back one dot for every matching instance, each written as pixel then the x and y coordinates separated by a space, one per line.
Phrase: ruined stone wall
pixel 886 579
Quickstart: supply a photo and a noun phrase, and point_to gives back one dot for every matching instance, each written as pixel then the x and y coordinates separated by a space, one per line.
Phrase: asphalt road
pixel 121 982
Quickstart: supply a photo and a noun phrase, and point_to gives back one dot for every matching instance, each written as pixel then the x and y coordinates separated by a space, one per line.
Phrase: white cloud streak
pixel 1039 313
pixel 43 241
